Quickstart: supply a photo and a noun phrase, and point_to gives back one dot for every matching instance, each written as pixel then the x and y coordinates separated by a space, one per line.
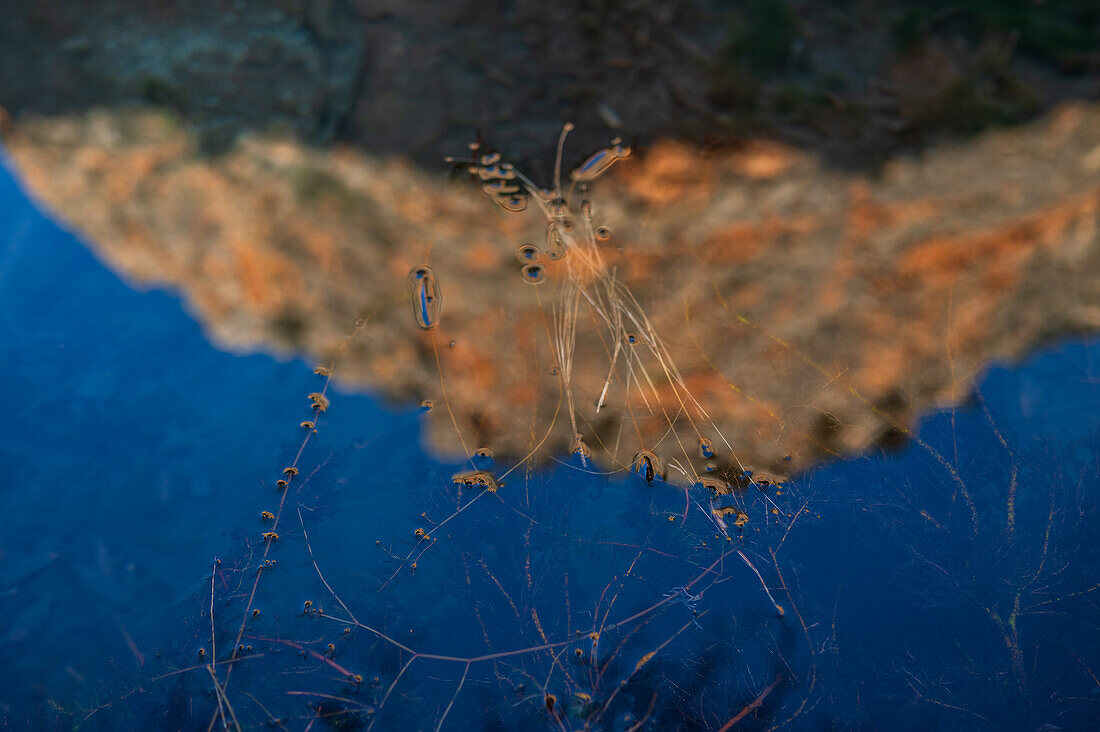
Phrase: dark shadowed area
pixel 857 80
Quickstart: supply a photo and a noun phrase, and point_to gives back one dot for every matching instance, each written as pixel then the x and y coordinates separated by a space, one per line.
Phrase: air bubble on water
pixel 528 253
pixel 426 299
pixel 558 208
pixel 494 172
pixel 706 447
pixel 555 241
pixel 533 274
pixel 452 344
pixel 484 452
pixel 586 209
pixel 600 161
pixel 603 233
pixel 514 202
pixel 711 467
pixel 426 405
pixel 499 187
pixel 490 158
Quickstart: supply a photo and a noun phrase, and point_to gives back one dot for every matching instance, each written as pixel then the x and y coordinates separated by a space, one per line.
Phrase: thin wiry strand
pixel 565 327
pixel 589 277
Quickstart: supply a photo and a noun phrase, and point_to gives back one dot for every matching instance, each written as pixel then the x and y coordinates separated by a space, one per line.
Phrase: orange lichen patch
pixel 641 266
pixel 126 179
pixel 320 244
pixel 523 393
pixel 762 160
pixel 92 160
pixel 479 369
pixel 268 280
pixel 746 296
pixel 868 216
pixel 670 172
pixel 969 320
pixel 883 367
pixel 484 256
pixel 940 260
pixel 732 244
pixel 1063 123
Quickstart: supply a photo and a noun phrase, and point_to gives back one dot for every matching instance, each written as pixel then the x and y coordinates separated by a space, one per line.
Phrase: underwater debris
pixel 481 478
pixel 716 486
pixel 740 517
pixel 648 465
pixel 706 447
pixel 580 447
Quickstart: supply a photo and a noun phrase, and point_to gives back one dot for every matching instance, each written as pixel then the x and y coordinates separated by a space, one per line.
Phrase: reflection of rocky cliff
pixel 812 312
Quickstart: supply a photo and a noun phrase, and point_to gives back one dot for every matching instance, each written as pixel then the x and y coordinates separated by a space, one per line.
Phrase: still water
pixel 154 574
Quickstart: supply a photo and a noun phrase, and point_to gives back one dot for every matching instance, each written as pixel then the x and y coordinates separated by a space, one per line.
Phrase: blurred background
pixel 841 216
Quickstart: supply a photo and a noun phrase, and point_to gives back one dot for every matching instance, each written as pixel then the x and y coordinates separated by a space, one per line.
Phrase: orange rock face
pixel 808 312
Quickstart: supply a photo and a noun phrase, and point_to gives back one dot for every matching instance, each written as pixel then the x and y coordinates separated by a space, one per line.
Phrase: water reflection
pixel 255 537
pixel 812 313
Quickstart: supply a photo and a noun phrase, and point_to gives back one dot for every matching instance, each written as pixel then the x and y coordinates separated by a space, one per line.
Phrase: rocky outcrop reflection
pixel 810 312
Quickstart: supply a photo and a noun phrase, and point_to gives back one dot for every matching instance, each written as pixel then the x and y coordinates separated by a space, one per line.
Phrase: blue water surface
pixel 950 584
